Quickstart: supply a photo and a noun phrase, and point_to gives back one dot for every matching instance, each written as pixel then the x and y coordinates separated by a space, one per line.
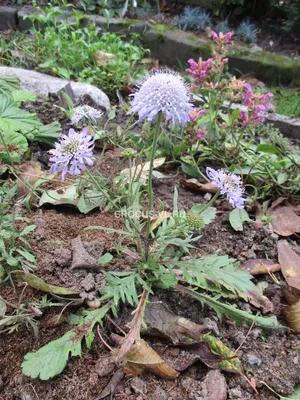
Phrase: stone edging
pixel 173 47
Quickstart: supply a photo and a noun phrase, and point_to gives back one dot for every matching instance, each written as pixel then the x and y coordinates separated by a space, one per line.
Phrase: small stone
pixel 62 257
pixel 39 222
pixel 216 385
pixel 253 360
pixel 160 394
pixel 211 326
pixel 128 390
pixel 88 282
pixel 207 196
pixel 296 360
pixel 276 364
pixel 235 394
pixel 138 385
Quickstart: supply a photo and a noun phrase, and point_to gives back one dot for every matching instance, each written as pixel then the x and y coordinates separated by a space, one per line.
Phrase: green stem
pixel 150 189
pixel 100 189
pixel 211 201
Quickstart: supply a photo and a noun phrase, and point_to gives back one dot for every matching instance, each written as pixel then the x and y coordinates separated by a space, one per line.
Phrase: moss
pixel 131 21
pixel 192 38
pixel 162 28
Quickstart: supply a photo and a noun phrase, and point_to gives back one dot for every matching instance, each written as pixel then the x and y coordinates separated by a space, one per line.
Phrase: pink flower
pixel 196 114
pixel 199 70
pixel 222 39
pixel 256 103
pixel 201 133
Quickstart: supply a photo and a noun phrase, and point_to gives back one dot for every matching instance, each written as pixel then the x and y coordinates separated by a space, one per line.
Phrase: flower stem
pixel 211 201
pixel 150 189
pixel 100 189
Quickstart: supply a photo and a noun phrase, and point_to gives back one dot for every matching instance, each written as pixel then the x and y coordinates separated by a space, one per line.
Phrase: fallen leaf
pixel 141 171
pixel 230 361
pixel 142 359
pixel 194 184
pixel 286 221
pixel 260 266
pixel 39 284
pixel 159 219
pixel 197 352
pixel 260 301
pixel 292 315
pixel 102 59
pixel 216 385
pixel 290 264
pixel 163 323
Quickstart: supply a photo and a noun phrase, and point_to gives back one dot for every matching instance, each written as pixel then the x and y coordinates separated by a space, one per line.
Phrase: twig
pixel 102 340
pixel 116 325
pixel 245 338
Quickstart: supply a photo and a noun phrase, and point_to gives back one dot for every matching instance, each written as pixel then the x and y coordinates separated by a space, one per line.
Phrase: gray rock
pixel 63 257
pixel 88 283
pixel 43 85
pixel 8 17
pixel 138 385
pixel 216 385
pixel 160 394
pixel 253 360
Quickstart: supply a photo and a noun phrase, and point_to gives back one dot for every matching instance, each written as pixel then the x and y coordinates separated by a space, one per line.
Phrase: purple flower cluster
pixel 229 184
pixel 164 92
pixel 72 152
pixel 199 70
pixel 87 113
pixel 256 103
pixel 222 39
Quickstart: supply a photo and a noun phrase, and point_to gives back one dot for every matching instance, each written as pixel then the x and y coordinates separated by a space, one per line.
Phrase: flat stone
pixel 216 385
pixel 24 23
pixel 43 85
pixel 118 25
pixel 8 17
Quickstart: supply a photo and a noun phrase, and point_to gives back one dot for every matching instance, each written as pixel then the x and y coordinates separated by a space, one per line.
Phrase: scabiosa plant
pixel 163 92
pixel 229 184
pixel 72 152
pixel 247 32
pixel 85 113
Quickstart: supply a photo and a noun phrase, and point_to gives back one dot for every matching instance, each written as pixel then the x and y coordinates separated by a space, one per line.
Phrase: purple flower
pixel 99 29
pixel 164 92
pixel 31 33
pixel 85 112
pixel 72 152
pixel 66 12
pixel 229 184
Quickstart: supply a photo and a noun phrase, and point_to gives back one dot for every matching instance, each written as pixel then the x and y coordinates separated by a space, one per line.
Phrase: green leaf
pixel 232 311
pixel 27 230
pixel 51 359
pixel 39 284
pixel 222 271
pixel 89 200
pixel 105 259
pixel 295 395
pixel 189 168
pixel 230 362
pixel 22 95
pixel 168 279
pixel 17 146
pixel 208 215
pixel 28 256
pixel 3 307
pixel 237 217
pixel 48 134
pixel 8 84
pixel 13 119
pixel 267 148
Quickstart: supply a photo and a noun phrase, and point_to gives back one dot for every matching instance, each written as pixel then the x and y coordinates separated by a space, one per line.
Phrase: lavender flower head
pixel 164 92
pixel 85 112
pixel 229 184
pixel 72 152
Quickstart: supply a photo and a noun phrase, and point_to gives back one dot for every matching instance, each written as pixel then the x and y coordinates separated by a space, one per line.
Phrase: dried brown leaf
pixel 142 358
pixel 292 314
pixel 290 264
pixel 286 221
pixel 194 184
pixel 163 323
pixel 260 301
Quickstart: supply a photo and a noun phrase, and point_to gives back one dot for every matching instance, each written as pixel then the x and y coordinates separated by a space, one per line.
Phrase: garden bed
pixel 190 225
